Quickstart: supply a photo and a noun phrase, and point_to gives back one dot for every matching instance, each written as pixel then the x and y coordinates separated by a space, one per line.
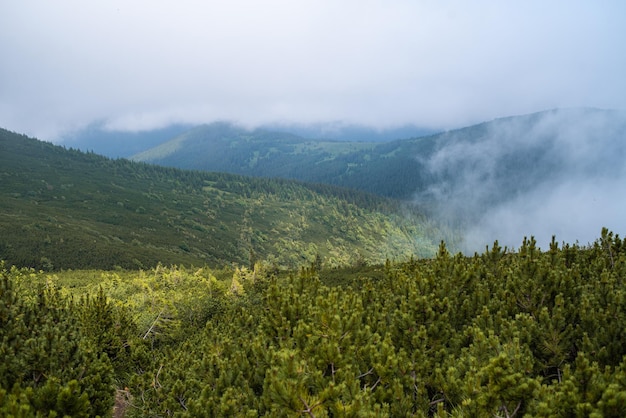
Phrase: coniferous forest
pixel 529 333
pixel 130 290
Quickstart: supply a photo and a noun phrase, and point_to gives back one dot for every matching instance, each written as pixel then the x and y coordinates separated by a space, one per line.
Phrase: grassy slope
pixel 66 209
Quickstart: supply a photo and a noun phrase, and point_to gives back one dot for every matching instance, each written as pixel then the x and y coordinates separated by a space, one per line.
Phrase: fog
pixel 560 173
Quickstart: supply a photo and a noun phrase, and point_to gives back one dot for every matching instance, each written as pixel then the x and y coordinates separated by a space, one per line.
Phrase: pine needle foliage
pixel 504 333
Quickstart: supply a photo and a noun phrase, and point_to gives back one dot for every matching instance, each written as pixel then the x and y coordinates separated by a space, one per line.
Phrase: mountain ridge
pixel 467 177
pixel 117 143
pixel 62 208
pixel 398 168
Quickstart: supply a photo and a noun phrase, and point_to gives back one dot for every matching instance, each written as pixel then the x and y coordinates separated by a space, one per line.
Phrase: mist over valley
pixel 554 173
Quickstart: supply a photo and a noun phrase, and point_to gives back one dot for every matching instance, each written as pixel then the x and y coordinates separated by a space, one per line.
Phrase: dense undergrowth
pixel 524 333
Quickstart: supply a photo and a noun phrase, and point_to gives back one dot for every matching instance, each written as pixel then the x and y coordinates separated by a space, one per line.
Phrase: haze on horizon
pixel 144 65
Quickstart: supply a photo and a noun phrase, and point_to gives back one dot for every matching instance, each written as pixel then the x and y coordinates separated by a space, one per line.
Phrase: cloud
pixel 556 173
pixel 573 211
pixel 145 64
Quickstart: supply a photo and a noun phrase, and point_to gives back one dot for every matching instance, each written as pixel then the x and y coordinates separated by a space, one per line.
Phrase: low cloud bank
pixel 560 173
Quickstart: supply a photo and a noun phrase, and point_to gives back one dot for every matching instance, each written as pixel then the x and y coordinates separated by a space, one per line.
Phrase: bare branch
pixel 376 383
pixel 436 401
pixel 370 371
pixel 181 401
pixel 152 326
pixel 155 382
pixel 309 409
pixel 519 404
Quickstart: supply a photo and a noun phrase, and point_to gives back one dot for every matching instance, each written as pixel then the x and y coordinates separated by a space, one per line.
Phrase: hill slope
pixel 515 152
pixel 224 147
pixel 66 209
pixel 119 144
pixel 499 180
pixel 115 143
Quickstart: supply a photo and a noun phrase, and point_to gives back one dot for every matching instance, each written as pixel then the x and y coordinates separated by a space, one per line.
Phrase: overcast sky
pixel 442 64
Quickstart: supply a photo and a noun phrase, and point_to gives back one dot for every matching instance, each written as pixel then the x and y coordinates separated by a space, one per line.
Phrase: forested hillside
pixel 63 208
pixel 497 180
pixel 532 333
pixel 501 158
pixel 114 143
pixel 191 293
pixel 224 147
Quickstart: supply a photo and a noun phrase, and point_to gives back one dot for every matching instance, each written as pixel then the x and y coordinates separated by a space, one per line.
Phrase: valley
pixel 286 276
pixel 318 209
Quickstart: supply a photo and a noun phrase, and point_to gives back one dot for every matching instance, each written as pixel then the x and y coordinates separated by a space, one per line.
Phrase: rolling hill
pixel 100 138
pixel 514 152
pixel 501 179
pixel 62 208
pixel 97 138
pixel 224 147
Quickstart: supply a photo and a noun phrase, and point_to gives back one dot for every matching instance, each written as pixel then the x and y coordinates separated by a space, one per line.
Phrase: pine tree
pixel 52 367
